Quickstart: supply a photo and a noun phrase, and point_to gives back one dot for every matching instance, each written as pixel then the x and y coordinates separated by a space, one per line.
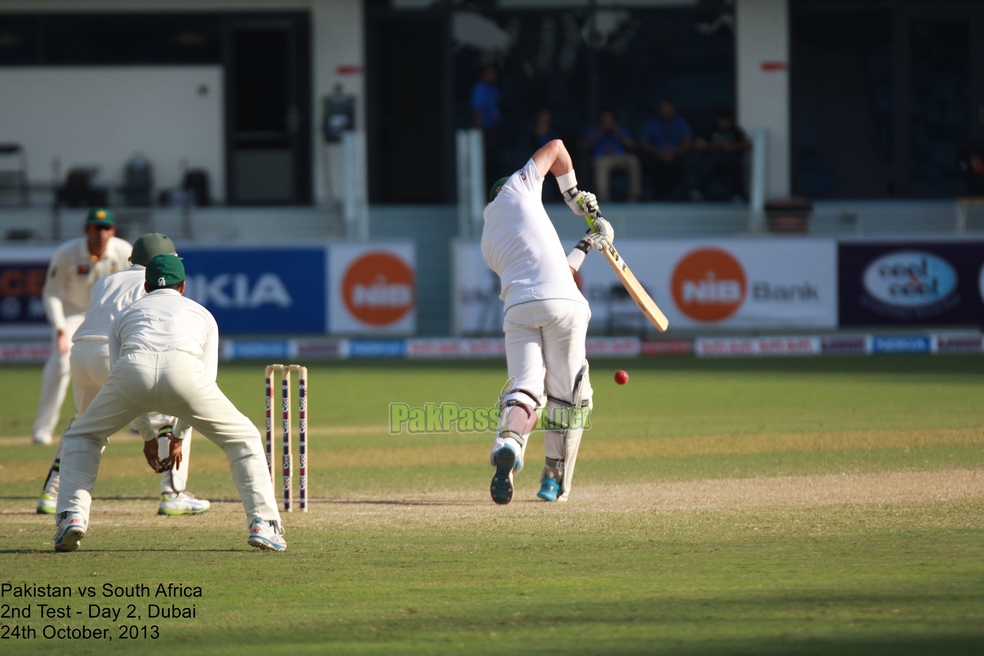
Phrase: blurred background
pixel 782 175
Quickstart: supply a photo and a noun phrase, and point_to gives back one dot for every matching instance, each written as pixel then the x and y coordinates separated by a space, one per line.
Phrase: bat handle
pixel 590 218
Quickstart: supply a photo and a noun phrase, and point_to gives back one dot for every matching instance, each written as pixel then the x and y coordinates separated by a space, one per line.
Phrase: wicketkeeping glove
pixel 582 203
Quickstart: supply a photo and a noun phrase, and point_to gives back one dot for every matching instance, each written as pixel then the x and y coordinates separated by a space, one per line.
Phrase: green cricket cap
pixel 163 271
pixel 497 187
pixel 149 246
pixel 100 216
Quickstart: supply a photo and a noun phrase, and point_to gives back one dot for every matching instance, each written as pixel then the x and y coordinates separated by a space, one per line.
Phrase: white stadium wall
pixel 762 80
pixel 102 116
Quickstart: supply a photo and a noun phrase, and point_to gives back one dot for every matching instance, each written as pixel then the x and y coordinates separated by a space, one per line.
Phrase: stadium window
pixel 110 39
pixel 20 39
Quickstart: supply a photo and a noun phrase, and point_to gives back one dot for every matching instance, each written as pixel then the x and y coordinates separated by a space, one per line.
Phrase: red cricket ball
pixel 621 377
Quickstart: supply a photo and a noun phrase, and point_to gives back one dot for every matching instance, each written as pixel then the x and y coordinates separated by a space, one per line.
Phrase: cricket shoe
pixel 266 535
pixel 70 531
pixel 46 504
pixel 41 438
pixel 502 480
pixel 549 489
pixel 181 503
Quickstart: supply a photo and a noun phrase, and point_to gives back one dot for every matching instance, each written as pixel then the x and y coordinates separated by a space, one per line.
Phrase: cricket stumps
pixel 288 458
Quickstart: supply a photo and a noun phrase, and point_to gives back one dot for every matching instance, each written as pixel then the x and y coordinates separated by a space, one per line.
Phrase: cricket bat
pixel 632 285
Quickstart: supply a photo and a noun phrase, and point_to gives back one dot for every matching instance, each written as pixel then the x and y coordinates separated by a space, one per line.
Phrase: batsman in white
pixel 546 320
pixel 75 267
pixel 165 352
pixel 90 370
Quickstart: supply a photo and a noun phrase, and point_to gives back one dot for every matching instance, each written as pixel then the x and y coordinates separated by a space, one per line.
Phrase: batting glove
pixel 582 203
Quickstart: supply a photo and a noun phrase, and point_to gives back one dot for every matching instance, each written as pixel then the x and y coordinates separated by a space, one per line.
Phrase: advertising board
pixel 911 283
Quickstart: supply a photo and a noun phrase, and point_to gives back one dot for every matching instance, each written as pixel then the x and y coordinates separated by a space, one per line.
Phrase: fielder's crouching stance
pixel 546 321
pixel 164 350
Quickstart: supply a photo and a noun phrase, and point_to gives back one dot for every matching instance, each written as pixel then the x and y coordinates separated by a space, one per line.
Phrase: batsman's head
pixel 164 271
pixel 150 246
pixel 497 187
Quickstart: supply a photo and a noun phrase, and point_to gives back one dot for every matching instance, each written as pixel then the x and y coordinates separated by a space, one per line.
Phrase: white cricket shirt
pixel 73 271
pixel 521 245
pixel 109 296
pixel 164 320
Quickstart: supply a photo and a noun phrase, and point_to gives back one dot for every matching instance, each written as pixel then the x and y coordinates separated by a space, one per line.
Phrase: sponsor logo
pixel 378 288
pixel 234 291
pixel 758 346
pixel 668 347
pixel 83 269
pixel 377 348
pixel 959 344
pixel 257 350
pixel 910 279
pixel 708 284
pixel 901 344
pixel 844 345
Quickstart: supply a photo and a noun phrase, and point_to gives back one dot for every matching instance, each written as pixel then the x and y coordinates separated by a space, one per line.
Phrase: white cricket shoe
pixel 44 439
pixel 181 503
pixel 502 480
pixel 47 504
pixel 70 531
pixel 266 535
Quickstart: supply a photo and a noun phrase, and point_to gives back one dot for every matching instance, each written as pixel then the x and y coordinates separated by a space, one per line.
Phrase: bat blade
pixel 634 287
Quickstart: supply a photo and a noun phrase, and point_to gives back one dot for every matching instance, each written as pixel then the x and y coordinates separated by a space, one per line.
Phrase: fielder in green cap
pixel 90 368
pixel 164 350
pixel 164 272
pixel 74 268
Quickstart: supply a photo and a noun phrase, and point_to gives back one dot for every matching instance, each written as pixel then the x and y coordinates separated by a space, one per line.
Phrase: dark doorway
pixel 410 158
pixel 268 111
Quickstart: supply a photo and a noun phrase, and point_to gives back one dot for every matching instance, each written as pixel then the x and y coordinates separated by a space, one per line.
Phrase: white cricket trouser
pixel 173 383
pixel 54 383
pixel 90 370
pixel 545 352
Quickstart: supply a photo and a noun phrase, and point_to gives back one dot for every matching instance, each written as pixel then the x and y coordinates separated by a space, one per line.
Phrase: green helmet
pixel 149 246
pixel 497 187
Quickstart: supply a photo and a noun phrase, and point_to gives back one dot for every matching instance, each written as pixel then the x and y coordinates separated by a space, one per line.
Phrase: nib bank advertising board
pixel 911 283
pixel 337 289
pixel 719 284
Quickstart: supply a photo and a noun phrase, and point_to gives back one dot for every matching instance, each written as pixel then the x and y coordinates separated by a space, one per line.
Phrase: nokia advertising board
pixel 910 283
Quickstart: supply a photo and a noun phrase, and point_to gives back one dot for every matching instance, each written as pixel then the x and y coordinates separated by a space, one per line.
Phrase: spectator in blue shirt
pixel 611 149
pixel 666 140
pixel 487 117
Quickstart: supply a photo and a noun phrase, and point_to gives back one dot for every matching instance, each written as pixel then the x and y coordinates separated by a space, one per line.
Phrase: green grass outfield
pixel 766 506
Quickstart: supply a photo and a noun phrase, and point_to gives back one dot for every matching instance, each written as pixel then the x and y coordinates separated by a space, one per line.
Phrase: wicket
pixel 301 433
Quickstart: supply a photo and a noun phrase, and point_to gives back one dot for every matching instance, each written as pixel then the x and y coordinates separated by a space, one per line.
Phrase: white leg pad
pixel 580 411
